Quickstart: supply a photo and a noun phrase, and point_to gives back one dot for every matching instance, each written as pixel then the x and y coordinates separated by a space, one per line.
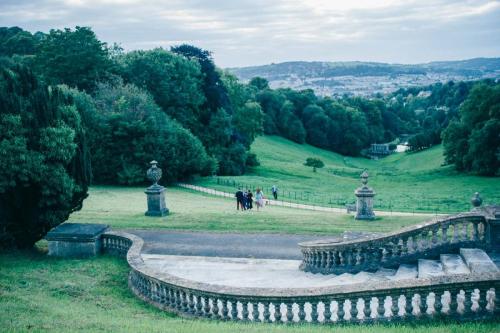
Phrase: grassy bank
pixel 403 181
pixel 124 207
pixel 41 294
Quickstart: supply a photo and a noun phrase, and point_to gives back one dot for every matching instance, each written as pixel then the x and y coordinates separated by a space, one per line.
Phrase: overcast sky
pixel 253 32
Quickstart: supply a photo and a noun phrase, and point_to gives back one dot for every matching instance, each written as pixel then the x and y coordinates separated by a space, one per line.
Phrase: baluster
pixel 206 307
pixel 198 307
pixel 289 312
pixel 438 304
pixel 491 295
pixel 427 304
pixel 225 310
pixel 380 308
pixel 453 307
pixel 464 234
pixel 455 233
pixel 314 312
pixel 215 308
pixel 328 312
pixel 394 306
pixel 475 232
pixel 444 234
pixel 302 312
pixel 435 236
pixel 278 315
pixel 367 309
pixel 408 305
pixel 342 258
pixel 255 311
pixel 178 300
pixel 354 309
pixel 234 310
pixel 266 313
pixel 191 303
pixel 359 257
pixel 184 301
pixel 245 314
pixel 468 302
pixel 340 311
pixel 171 298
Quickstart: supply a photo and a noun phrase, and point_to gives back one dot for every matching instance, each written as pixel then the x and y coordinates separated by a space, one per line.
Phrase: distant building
pixel 379 149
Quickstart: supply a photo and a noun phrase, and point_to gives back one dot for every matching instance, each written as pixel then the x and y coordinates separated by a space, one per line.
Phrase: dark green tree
pixel 73 57
pixel 315 163
pixel 44 164
pixel 473 142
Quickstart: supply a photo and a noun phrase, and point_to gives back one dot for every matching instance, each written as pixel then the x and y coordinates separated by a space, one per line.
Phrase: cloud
pixel 248 32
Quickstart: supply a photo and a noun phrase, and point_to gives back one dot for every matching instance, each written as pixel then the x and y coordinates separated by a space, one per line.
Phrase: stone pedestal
pixel 364 202
pixel 75 240
pixel 156 201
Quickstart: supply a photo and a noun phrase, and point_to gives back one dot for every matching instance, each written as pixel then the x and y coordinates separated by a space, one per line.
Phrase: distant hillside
pixel 367 78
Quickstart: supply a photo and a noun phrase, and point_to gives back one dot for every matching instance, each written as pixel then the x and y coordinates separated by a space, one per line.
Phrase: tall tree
pixel 73 57
pixel 44 164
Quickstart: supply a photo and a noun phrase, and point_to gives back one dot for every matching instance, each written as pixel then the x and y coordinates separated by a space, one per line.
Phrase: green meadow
pixel 124 207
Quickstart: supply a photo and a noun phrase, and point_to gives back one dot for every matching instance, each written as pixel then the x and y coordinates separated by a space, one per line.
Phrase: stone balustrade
pixel 463 297
pixel 403 246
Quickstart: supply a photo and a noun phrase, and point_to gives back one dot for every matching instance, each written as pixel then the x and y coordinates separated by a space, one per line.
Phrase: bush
pixel 44 161
pixel 252 160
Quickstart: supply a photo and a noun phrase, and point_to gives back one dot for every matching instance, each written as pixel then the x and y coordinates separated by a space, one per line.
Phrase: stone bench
pixel 75 240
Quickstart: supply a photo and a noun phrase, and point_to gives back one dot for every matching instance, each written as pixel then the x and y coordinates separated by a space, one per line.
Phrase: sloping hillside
pixel 403 181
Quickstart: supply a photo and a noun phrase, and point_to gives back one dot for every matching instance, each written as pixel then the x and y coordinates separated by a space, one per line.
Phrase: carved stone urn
pixel 476 200
pixel 155 193
pixel 364 199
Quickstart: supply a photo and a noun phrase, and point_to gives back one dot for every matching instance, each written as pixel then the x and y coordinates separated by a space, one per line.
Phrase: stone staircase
pixel 468 261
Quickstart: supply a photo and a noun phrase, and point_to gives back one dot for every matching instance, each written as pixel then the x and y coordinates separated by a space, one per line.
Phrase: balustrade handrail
pixel 191 298
pixel 472 217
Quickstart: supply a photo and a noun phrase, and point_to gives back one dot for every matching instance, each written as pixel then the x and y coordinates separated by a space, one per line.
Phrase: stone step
pixel 429 268
pixel 478 261
pixel 453 264
pixel 406 272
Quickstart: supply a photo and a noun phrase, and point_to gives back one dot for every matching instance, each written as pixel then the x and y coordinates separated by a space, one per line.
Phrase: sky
pixel 255 32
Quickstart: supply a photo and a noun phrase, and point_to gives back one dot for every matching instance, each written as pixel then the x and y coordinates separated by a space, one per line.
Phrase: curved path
pixel 299 205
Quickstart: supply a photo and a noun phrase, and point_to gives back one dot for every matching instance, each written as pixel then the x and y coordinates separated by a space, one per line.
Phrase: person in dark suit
pixel 239 200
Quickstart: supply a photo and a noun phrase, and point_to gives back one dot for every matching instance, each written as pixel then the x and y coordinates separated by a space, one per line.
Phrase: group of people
pixel 245 199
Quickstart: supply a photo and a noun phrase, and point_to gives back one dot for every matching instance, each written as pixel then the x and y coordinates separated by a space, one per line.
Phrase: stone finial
pixel 154 173
pixel 476 200
pixel 364 178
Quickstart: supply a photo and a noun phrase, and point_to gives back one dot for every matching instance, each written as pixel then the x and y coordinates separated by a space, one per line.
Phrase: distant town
pixel 367 79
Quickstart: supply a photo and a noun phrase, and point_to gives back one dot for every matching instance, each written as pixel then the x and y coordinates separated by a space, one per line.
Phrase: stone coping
pixel 76 232
pixel 136 263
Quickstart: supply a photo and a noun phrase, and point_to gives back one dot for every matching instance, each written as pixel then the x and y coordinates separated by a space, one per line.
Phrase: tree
pixel 472 143
pixel 174 82
pixel 129 130
pixel 259 83
pixel 73 57
pixel 248 122
pixel 44 161
pixel 315 163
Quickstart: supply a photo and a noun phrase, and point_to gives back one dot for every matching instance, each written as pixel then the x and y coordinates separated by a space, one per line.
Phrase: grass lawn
pixel 124 207
pixel 403 181
pixel 39 294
